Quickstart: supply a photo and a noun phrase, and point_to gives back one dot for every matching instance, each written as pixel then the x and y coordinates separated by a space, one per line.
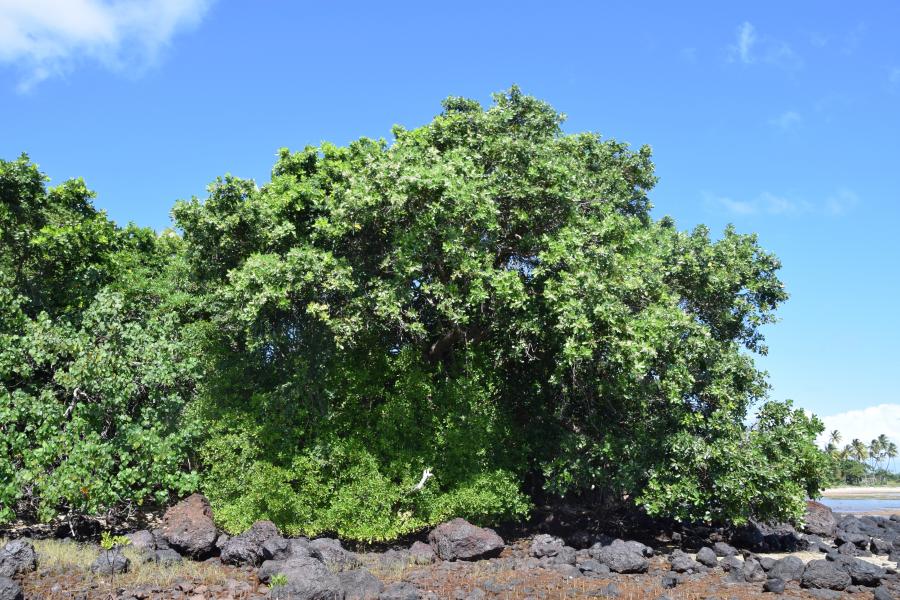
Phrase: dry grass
pixel 64 572
pixel 59 556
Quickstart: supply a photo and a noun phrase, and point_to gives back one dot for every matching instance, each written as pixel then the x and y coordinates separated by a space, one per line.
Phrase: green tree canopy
pixel 489 298
pixel 477 316
pixel 94 372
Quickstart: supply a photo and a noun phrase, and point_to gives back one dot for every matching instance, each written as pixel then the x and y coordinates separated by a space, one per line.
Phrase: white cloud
pixel 787 120
pixel 865 424
pixel 45 38
pixel 750 48
pixel 767 203
pixel 746 38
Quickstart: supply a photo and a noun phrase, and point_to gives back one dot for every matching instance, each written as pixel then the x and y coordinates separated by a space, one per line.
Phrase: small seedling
pixel 112 546
pixel 278 580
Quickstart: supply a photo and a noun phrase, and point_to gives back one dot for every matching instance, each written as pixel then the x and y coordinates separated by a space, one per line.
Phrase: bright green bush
pixel 94 370
pixel 354 472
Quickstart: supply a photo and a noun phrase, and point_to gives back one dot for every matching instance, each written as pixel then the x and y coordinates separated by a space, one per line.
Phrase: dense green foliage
pixel 93 371
pixel 485 299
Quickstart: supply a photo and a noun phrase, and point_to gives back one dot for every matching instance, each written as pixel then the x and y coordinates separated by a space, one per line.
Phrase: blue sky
pixel 782 118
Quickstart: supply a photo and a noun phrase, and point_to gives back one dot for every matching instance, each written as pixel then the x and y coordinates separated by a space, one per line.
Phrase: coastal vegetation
pixel 477 316
pixel 858 463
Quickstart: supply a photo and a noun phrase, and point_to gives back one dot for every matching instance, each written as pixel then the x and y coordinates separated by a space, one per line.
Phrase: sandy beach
pixel 863 492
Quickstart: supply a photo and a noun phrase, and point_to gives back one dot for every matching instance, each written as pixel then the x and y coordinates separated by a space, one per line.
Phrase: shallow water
pixel 886 504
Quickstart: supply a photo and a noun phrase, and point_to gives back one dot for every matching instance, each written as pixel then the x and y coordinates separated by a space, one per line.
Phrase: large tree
pixel 490 300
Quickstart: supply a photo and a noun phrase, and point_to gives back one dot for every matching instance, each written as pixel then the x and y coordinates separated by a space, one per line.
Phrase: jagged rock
pixel 763 537
pixel 165 557
pixel 849 536
pixel 723 549
pixel 621 557
pixel 823 574
pixel 9 589
pixel 460 540
pixel 753 571
pixel 593 568
pixel 360 584
pixel 307 579
pixel 882 593
pixel 880 546
pixel 188 527
pixel 159 539
pixel 642 549
pixel 775 586
pixel 819 519
pixel 17 557
pixel 816 544
pixel 766 562
pixel 683 563
pixel 300 547
pixel 142 540
pixel 249 548
pixel 276 548
pixel 400 590
pixel 109 562
pixel 731 563
pixel 334 556
pixel 545 545
pixel 707 556
pixel 861 572
pixel 789 568
pixel 565 556
pixel 421 553
pixel 847 549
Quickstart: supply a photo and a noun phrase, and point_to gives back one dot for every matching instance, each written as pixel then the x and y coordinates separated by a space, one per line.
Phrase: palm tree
pixel 845 452
pixel 858 450
pixel 891 453
pixel 834 437
pixel 875 452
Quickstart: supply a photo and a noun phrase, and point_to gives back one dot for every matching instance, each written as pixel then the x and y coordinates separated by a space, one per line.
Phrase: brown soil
pixel 64 574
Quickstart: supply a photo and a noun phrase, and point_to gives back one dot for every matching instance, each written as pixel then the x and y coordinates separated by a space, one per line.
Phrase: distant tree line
pixel 858 463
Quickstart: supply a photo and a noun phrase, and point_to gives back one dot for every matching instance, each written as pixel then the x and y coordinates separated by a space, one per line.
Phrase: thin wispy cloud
pixel 894 78
pixel 746 39
pixel 48 38
pixel 852 39
pixel 787 120
pixel 841 202
pixel 751 48
pixel 768 204
pixel 865 424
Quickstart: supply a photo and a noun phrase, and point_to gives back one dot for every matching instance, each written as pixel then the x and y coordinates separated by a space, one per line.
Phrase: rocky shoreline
pixel 187 557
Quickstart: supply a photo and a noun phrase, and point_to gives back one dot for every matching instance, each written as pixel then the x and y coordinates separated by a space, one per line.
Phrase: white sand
pixel 863 492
